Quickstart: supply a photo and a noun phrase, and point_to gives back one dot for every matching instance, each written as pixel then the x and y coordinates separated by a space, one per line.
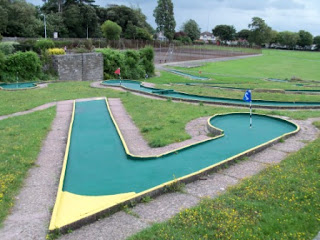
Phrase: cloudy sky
pixel 281 15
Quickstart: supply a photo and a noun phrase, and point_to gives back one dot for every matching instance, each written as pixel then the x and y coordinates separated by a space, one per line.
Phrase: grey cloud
pixel 289 4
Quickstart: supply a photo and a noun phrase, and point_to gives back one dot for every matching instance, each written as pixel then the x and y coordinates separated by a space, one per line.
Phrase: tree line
pixel 84 19
pixel 259 33
pixel 71 19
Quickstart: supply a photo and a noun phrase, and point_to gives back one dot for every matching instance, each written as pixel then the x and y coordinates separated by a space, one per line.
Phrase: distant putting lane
pixel 100 175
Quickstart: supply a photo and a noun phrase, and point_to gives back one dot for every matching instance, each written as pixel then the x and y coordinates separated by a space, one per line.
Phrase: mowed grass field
pixel 272 64
pixel 253 73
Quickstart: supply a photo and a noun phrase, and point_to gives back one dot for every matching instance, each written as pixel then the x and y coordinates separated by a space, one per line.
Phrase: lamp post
pixel 45 25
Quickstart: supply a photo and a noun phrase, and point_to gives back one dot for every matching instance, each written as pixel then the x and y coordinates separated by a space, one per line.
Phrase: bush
pixel 112 59
pixel 133 69
pixel 56 51
pixel 2 63
pixel 147 58
pixel 133 64
pixel 88 44
pixel 44 44
pixel 47 65
pixel 198 42
pixel 24 65
pixel 62 44
pixel 7 47
pixel 27 45
pixel 81 50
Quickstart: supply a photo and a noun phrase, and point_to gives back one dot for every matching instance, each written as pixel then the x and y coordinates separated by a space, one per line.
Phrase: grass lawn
pixel 282 202
pixel 231 81
pixel 225 48
pixel 20 144
pixel 273 64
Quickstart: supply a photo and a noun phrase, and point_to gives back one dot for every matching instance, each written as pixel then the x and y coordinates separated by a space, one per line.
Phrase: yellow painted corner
pixel 73 207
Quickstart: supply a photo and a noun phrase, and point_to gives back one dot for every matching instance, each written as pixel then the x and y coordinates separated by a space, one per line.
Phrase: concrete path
pixel 30 216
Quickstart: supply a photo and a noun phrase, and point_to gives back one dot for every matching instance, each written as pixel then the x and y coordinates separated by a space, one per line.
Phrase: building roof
pixel 206 33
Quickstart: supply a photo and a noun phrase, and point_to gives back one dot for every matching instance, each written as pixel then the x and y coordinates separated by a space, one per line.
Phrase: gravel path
pixel 31 214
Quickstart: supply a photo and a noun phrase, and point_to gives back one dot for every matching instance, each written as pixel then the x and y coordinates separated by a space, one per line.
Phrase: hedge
pixel 133 64
pixel 21 66
pixel 7 48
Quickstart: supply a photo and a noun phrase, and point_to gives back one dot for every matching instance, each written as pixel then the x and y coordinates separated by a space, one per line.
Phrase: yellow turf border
pixel 91 216
pixel 160 155
pixel 63 171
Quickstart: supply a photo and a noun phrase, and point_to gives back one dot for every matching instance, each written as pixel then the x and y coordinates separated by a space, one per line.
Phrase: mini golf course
pixel 136 86
pixel 244 89
pixel 17 86
pixel 191 76
pixel 100 173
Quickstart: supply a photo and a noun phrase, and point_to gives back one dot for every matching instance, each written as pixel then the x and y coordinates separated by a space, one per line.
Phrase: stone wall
pixel 79 67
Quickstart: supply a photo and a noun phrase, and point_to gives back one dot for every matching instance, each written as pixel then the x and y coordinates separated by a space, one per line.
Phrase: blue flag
pixel 247 96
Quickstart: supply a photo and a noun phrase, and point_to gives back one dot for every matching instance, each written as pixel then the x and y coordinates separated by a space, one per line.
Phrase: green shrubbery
pixel 133 64
pixel 22 66
pixel 147 58
pixel 2 62
pixel 7 47
pixel 44 44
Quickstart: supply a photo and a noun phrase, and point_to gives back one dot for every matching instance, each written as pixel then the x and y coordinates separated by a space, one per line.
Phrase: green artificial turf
pixel 282 202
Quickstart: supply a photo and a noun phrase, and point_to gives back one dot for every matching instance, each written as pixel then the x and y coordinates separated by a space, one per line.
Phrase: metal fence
pixel 164 51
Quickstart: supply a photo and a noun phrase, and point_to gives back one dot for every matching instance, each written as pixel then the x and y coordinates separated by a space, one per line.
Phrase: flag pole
pixel 250 115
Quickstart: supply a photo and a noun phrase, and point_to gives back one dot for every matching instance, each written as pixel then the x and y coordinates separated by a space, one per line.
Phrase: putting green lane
pixel 17 86
pixel 98 166
pixel 135 85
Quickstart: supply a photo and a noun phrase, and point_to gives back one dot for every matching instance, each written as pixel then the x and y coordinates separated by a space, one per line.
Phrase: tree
pixel 288 39
pixel 260 32
pixel 55 23
pixel 243 34
pixel 273 36
pixel 224 32
pixel 3 19
pixel 90 19
pixel 73 21
pixel 111 30
pixel 192 29
pixel 316 41
pixel 142 33
pixel 53 6
pixel 164 18
pixel 127 18
pixel 22 21
pixel 305 39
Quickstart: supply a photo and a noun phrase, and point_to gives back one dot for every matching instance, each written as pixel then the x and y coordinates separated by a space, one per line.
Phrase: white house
pixel 207 36
pixel 161 36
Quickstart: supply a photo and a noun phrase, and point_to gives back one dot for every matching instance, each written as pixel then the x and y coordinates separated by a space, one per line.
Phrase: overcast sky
pixel 281 15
